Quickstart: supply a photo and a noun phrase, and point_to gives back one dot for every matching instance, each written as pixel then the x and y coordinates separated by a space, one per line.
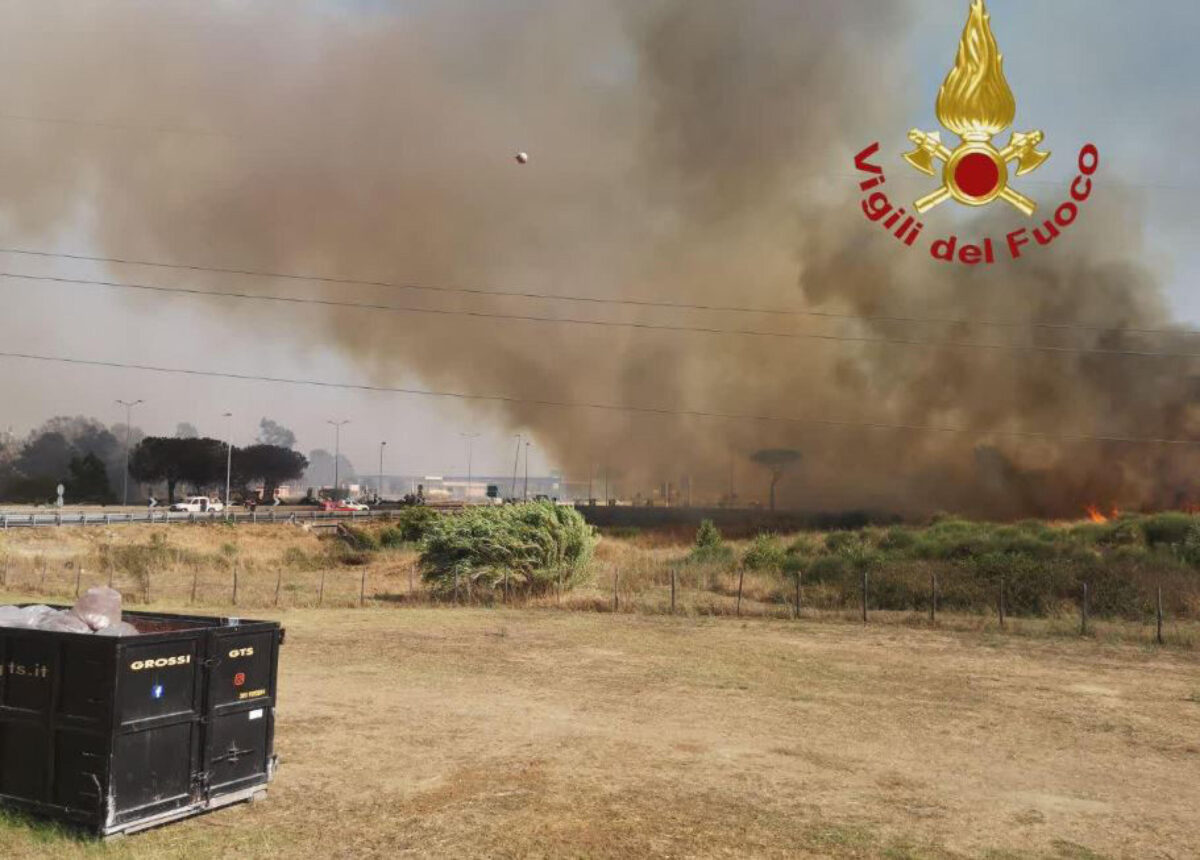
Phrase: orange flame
pixel 1094 514
pixel 975 102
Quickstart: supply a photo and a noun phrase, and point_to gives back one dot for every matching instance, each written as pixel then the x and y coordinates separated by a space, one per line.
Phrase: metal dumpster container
pixel 119 734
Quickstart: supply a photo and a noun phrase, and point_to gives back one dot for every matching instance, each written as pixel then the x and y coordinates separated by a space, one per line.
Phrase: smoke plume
pixel 682 150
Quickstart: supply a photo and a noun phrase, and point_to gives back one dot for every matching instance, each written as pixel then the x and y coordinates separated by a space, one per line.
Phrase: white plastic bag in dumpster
pixel 99 607
pixel 98 611
pixel 31 616
pixel 64 622
pixel 121 629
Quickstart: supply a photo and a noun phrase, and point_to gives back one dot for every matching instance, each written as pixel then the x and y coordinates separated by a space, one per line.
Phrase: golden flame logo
pixel 976 103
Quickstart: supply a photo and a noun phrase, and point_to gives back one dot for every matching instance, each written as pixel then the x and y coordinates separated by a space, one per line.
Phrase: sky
pixel 1117 74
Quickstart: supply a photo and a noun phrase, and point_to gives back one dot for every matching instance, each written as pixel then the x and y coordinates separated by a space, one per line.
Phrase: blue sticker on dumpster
pixel 156 692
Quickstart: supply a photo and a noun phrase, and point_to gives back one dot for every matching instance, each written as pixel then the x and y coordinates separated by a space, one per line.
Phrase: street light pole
pixel 516 460
pixel 228 456
pixel 470 437
pixel 527 471
pixel 128 429
pixel 337 454
pixel 379 489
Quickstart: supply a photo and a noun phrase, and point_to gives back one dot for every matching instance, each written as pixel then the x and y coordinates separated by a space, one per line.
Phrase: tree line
pixel 88 458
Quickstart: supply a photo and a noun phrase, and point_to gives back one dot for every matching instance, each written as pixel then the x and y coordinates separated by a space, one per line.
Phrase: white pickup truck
pixel 198 505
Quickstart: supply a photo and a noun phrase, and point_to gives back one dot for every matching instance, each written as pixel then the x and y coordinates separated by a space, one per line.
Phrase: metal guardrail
pixel 58 518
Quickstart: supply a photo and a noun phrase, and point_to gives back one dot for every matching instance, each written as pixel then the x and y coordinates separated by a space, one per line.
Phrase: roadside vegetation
pixel 541 553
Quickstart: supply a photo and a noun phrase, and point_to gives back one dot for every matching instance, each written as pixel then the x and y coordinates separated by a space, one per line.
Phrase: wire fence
pixel 677 592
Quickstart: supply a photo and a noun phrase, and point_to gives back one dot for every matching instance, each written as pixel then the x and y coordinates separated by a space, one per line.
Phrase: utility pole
pixel 516 460
pixel 228 455
pixel 470 437
pixel 337 453
pixel 379 489
pixel 128 429
pixel 527 471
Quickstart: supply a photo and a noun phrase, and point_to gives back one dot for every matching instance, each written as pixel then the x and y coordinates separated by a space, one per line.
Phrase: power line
pixel 604 407
pixel 598 300
pixel 404 309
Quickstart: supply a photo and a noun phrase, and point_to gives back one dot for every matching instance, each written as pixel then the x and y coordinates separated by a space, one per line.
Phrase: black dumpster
pixel 119 734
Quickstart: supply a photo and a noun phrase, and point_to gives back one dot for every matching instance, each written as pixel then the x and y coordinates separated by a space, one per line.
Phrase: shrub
pixel 359 539
pixel 710 545
pixel 766 552
pixel 1191 546
pixel 841 541
pixel 897 539
pixel 1169 528
pixel 391 537
pixel 414 523
pixel 536 545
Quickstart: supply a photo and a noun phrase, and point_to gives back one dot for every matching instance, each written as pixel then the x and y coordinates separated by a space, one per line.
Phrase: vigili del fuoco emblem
pixel 976 103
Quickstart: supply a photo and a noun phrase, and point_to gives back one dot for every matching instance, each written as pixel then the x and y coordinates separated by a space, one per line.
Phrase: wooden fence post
pixel 4 581
pixel 147 591
pixel 278 584
pixel 362 589
pixel 673 577
pixel 799 580
pixel 506 586
pixel 321 590
pixel 1083 610
pixel 865 585
pixel 933 598
pixel 235 583
pixel 1159 637
pixel 42 581
pixel 616 594
pixel 78 577
pixel 741 582
pixel 195 582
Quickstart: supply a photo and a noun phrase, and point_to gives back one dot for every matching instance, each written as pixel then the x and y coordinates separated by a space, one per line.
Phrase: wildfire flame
pixel 1096 516
pixel 975 101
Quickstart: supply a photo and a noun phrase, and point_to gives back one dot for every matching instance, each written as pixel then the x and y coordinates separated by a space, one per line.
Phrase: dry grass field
pixel 471 732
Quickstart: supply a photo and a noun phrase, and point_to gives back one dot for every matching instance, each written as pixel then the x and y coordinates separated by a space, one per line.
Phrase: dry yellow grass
pixel 461 732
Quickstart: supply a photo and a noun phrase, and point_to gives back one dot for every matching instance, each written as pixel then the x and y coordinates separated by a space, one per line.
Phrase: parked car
pixel 344 506
pixel 198 505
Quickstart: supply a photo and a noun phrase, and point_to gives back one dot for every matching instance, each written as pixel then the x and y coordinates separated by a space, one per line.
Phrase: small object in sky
pixel 522 158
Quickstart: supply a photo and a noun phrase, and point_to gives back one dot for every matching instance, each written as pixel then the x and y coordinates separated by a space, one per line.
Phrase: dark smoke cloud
pixel 682 151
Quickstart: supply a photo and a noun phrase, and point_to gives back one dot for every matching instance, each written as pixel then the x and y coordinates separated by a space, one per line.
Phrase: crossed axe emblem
pixel 976 173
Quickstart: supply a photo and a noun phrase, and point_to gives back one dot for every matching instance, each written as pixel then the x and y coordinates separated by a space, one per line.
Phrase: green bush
pixel 1171 528
pixel 710 545
pixel 841 541
pixel 414 523
pixel 1191 546
pixel 391 537
pixel 535 545
pixel 359 539
pixel 766 552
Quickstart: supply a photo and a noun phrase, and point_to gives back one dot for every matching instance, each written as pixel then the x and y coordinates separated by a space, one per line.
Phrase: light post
pixel 128 429
pixel 337 453
pixel 379 489
pixel 228 456
pixel 516 460
pixel 527 471
pixel 470 437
